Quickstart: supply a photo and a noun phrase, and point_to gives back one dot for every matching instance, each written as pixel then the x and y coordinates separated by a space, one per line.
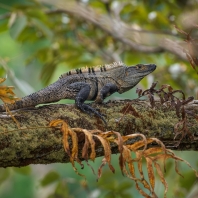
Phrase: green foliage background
pixel 37 46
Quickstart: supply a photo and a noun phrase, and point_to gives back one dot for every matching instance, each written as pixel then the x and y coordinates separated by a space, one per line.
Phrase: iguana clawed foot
pixel 90 110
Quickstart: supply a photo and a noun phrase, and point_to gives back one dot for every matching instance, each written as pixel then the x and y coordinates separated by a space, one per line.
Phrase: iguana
pixel 87 84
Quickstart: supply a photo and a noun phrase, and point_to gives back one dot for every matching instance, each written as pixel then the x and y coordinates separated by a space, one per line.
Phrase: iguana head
pixel 133 75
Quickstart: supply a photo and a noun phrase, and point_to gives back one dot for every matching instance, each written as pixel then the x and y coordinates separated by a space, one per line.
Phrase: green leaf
pixel 187 180
pixel 23 170
pixel 60 191
pixel 49 178
pixel 18 26
pixel 37 13
pixel 124 186
pixel 107 182
pixel 3 25
pixel 126 195
pixel 42 27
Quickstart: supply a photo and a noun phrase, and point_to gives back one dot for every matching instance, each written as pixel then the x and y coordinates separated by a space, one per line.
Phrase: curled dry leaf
pixel 162 179
pixel 89 142
pixel 127 137
pixel 6 93
pixel 167 98
pixel 140 156
pixel 152 155
pixel 139 92
pixel 67 131
pixel 107 151
pixel 151 176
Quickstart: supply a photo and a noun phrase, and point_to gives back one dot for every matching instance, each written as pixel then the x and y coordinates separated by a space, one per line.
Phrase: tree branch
pixel 138 40
pixel 36 143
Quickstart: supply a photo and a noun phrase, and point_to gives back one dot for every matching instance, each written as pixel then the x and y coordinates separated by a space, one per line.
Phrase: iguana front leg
pixel 107 90
pixel 83 91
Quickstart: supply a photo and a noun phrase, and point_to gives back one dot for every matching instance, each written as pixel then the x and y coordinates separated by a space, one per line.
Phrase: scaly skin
pixel 92 84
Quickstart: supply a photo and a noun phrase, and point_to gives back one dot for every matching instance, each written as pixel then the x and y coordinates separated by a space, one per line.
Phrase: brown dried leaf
pixel 177 107
pixel 125 157
pixel 166 96
pixel 161 97
pixel 131 136
pixel 107 151
pixel 161 157
pixel 6 93
pixel 128 159
pixel 85 149
pixel 170 89
pixel 183 113
pixel 132 170
pixel 160 173
pixel 126 154
pixel 12 116
pixel 89 136
pixel 111 136
pixel 152 151
pixel 139 92
pixel 135 146
pixel 90 167
pixel 151 100
pixel 122 164
pixel 162 147
pixel 2 80
pixel 153 85
pixel 119 142
pixel 158 142
pixel 65 131
pixel 179 91
pixel 74 154
pixel 182 160
pixel 188 100
pixel 104 161
pixel 139 155
pixel 141 191
pixel 150 171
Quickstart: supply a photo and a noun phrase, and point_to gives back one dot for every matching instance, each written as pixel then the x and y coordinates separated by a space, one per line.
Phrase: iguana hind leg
pixel 83 93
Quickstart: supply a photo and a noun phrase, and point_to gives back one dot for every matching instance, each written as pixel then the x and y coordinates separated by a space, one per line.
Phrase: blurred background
pixel 42 39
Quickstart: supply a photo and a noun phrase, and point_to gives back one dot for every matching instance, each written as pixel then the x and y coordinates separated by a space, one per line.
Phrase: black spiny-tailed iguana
pixel 87 84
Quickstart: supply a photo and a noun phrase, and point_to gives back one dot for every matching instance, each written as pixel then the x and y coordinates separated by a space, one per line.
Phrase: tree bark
pixel 36 143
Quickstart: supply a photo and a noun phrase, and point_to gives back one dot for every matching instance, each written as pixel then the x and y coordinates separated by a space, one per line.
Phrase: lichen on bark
pixel 36 143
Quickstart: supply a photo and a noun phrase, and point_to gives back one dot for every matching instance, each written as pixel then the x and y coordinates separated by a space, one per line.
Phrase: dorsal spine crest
pixel 98 68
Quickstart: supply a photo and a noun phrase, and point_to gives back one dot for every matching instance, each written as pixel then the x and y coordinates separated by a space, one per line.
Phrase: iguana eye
pixel 138 66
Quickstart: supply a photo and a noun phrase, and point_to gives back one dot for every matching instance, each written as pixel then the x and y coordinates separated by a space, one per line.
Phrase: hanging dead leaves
pixel 6 93
pixel 168 98
pixel 8 97
pixel 155 157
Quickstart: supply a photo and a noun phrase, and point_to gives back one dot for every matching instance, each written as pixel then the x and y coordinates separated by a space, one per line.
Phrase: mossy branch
pixel 36 143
